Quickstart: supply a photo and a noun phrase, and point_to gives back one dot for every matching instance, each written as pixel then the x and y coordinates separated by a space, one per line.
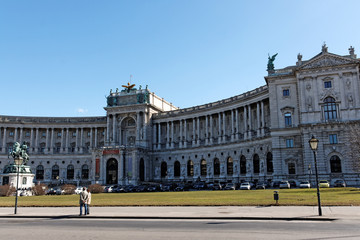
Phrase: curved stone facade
pixel 260 135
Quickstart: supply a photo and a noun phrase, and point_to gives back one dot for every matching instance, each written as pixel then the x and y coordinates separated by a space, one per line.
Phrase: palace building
pixel 260 135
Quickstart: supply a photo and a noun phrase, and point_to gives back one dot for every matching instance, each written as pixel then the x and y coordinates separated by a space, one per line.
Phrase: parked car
pixel 51 191
pixel 276 184
pixel 154 188
pixel 324 184
pixel 109 189
pixel 260 185
pixel 214 186
pixel 292 184
pixel 200 186
pixel 339 183
pixel 119 189
pixel 284 184
pixel 304 184
pixel 78 190
pixel 229 186
pixel 245 186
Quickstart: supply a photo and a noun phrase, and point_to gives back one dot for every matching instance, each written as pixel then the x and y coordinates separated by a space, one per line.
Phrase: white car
pixel 304 184
pixel 78 190
pixel 245 186
pixel 284 184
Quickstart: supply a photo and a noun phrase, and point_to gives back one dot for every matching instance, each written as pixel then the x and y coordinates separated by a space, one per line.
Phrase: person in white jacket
pixel 88 202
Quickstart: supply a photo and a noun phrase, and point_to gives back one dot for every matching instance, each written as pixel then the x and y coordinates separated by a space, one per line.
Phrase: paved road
pixel 86 228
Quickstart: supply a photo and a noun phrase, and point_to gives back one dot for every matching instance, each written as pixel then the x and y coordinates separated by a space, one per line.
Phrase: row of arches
pixel 216 168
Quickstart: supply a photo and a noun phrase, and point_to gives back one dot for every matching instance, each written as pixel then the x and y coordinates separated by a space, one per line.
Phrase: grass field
pixel 288 197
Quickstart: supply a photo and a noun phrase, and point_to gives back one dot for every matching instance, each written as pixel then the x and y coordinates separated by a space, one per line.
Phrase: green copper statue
pixel 20 151
pixel 270 66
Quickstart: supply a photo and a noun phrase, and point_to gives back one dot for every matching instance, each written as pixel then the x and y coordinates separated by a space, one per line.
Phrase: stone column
pixel 237 124
pixel 245 123
pixel 108 129
pixel 220 133
pixel 198 131
pixel 47 147
pixel 154 136
pixel 185 134
pixel 194 136
pixel 262 119
pixel 167 135
pixel 172 134
pixel 91 138
pixel 114 130
pixel 15 134
pixel 4 141
pixel 224 128
pixel 206 130
pixel 258 119
pixel 52 141
pixel 21 135
pixel 62 141
pixel 180 134
pixel 95 138
pixel 249 122
pixel 232 126
pixel 37 140
pixel 211 137
pixel 159 136
pixel 67 141
pixel 77 140
pixel 82 140
pixel 31 149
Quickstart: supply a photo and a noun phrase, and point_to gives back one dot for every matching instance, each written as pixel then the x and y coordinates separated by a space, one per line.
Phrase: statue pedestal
pixel 9 176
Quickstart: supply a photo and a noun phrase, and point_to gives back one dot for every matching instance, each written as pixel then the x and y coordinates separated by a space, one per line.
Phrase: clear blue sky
pixel 60 58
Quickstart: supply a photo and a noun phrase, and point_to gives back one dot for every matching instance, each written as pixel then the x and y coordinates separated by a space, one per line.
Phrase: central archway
pixel 112 171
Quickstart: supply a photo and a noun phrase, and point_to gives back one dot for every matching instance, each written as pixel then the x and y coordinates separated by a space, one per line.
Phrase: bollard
pixel 276 197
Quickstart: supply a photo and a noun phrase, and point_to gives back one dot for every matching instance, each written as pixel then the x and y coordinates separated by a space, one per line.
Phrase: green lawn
pixel 288 197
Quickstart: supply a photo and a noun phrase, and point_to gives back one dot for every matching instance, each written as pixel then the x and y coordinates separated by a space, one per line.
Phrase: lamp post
pixel 18 162
pixel 313 142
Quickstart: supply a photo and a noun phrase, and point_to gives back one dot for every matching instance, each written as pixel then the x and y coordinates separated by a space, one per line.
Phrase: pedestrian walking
pixel 88 202
pixel 83 201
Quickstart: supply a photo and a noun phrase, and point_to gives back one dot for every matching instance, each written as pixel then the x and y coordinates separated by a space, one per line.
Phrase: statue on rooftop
pixel 270 66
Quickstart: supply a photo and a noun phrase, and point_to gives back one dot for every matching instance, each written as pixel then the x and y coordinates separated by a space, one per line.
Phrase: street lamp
pixel 313 142
pixel 18 162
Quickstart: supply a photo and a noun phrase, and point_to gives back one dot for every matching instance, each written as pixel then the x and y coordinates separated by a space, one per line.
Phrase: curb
pixel 179 218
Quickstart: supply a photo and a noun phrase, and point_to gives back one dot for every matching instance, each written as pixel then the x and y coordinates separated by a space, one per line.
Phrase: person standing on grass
pixel 88 202
pixel 83 201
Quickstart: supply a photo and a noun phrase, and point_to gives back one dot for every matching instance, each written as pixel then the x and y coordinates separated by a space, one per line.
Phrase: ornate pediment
pixel 327 60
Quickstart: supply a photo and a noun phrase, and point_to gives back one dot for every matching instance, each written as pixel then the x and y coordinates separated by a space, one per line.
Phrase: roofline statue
pixel 270 65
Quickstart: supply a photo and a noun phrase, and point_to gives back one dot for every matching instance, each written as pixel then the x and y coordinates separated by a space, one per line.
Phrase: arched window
pixel 256 163
pixel 335 164
pixel 177 169
pixel 163 169
pixel 24 180
pixel 242 165
pixel 55 172
pixel 85 172
pixel 40 172
pixel 216 166
pixel 70 172
pixel 190 168
pixel 269 162
pixel 230 166
pixel 330 108
pixel 203 167
pixel 291 168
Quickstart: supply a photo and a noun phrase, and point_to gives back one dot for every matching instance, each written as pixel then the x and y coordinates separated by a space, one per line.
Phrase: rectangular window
pixel 59 134
pixel 27 134
pixel 286 92
pixel 327 84
pixel 88 134
pixel 288 122
pixel 290 143
pixel 74 134
pixel 333 139
pixel 43 134
pixel 11 134
pixel 291 168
